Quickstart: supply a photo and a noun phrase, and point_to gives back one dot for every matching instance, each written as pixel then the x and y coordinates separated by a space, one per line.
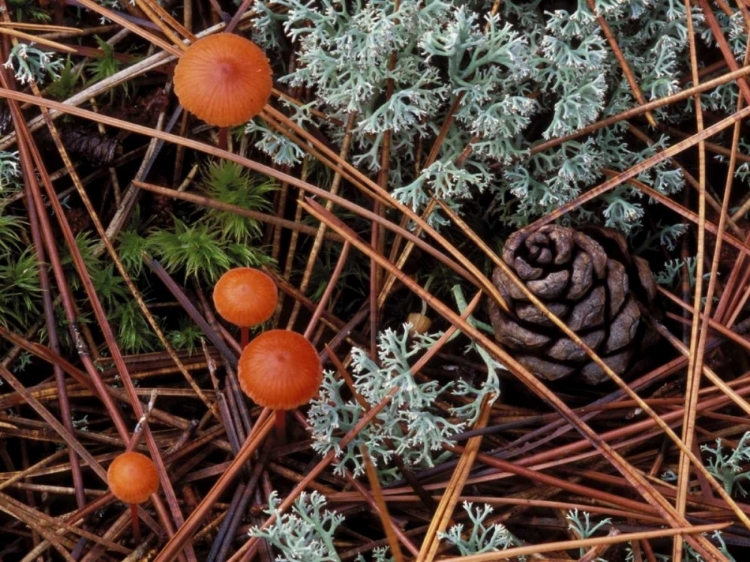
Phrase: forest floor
pixel 430 439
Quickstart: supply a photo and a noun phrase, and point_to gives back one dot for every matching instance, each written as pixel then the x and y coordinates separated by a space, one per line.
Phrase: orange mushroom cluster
pixel 279 369
pixel 223 79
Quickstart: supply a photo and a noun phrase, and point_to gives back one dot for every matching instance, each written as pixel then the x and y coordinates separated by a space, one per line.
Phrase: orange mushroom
pixel 281 370
pixel 224 79
pixel 132 479
pixel 245 297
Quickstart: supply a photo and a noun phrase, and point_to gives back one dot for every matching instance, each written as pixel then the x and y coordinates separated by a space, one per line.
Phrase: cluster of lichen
pixel 409 426
pixel 527 73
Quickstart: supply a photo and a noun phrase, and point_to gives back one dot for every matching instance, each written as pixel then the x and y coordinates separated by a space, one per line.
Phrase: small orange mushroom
pixel 223 79
pixel 132 479
pixel 281 370
pixel 245 297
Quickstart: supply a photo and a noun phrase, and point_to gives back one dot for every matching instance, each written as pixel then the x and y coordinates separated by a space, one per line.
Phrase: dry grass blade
pixel 377 492
pixel 444 513
pixel 33 38
pixel 47 416
pixel 114 16
pixel 697 343
pixel 586 543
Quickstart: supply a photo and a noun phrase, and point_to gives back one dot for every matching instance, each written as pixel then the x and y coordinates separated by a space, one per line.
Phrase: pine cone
pixel 89 144
pixel 585 277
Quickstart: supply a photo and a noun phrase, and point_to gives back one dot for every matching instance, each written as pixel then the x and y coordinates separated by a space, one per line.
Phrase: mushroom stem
pixel 244 336
pixel 223 138
pixel 280 426
pixel 136 523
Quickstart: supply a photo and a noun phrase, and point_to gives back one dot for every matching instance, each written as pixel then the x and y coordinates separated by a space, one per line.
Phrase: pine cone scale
pixel 595 251
pixel 525 271
pixel 624 327
pixel 646 278
pixel 530 313
pixel 617 285
pixel 552 370
pixel 517 337
pixel 582 277
pixel 506 287
pixel 566 349
pixel 551 286
pixel 589 312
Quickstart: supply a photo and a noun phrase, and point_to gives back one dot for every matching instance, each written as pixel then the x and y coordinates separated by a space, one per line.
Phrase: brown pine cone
pixel 89 144
pixel 585 277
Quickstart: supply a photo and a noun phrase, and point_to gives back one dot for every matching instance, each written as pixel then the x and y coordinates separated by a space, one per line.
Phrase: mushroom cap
pixel 223 79
pixel 132 477
pixel 245 296
pixel 280 369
